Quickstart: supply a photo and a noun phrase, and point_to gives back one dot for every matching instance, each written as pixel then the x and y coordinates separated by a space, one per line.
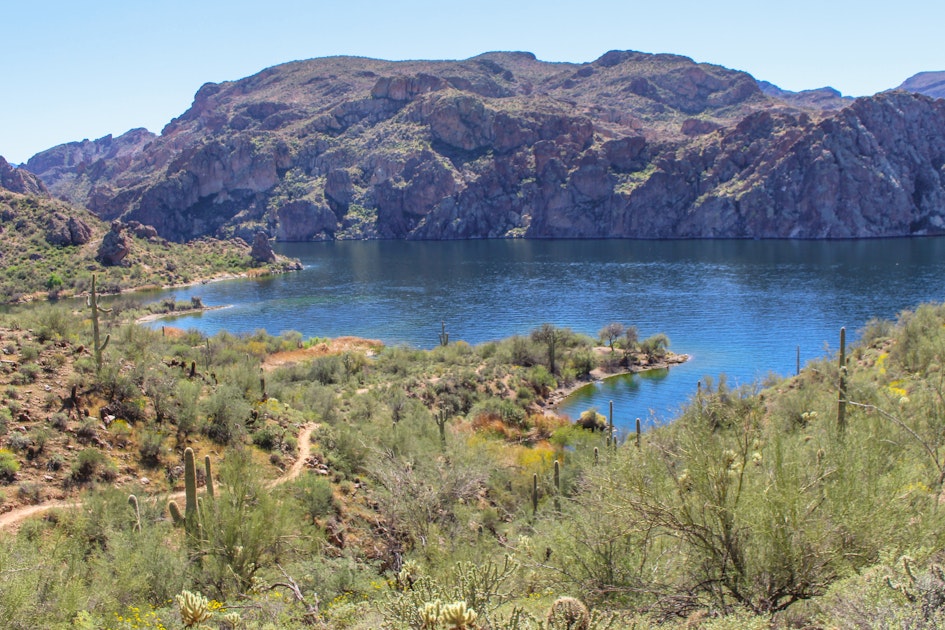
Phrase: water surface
pixel 739 308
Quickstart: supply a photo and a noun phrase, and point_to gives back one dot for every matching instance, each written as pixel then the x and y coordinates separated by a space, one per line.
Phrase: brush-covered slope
pixel 505 145
pixel 49 247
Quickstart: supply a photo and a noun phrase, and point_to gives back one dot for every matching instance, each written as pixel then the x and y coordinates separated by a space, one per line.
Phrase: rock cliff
pixel 20 180
pixel 504 145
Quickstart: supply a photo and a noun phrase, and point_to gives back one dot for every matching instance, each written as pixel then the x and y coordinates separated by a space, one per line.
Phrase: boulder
pixel 262 250
pixel 64 231
pixel 115 246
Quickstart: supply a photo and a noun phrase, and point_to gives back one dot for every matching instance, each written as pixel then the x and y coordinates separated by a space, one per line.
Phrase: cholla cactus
pixel 430 615
pixel 194 608
pixel 568 613
pixel 408 574
pixel 231 621
pixel 457 617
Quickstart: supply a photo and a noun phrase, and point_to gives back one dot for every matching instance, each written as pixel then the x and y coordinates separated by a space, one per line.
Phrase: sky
pixel 76 69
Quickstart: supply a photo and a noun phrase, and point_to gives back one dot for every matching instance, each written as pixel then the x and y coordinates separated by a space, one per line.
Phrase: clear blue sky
pixel 83 69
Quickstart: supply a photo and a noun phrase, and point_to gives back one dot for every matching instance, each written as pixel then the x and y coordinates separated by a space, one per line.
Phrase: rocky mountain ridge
pixel 504 145
pixel 928 83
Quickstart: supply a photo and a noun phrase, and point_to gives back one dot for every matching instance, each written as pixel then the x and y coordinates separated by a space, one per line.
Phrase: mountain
pixel 820 98
pixel 20 180
pixel 928 83
pixel 505 145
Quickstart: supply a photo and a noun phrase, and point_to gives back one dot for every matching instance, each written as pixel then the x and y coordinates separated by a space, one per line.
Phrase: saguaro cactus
pixel 189 519
pixel 557 486
pixel 133 502
pixel 842 388
pixel 610 426
pixel 534 494
pixel 444 336
pixel 441 417
pixel 97 348
pixel 208 470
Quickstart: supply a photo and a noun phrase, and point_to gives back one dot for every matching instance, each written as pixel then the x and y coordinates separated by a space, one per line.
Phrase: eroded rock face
pixel 20 180
pixel 262 250
pixel 115 246
pixel 503 145
pixel 63 230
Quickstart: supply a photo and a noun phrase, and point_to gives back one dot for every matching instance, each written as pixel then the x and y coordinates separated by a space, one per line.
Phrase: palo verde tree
pixel 611 333
pixel 550 336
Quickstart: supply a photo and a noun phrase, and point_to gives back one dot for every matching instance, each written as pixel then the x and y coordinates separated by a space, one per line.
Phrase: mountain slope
pixel 928 83
pixel 505 145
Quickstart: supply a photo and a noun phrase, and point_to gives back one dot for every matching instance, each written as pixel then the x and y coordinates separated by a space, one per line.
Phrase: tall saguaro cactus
pixel 842 388
pixel 611 430
pixel 534 494
pixel 97 347
pixel 441 417
pixel 190 519
pixel 557 479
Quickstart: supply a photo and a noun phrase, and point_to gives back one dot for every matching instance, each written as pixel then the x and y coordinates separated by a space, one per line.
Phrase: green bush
pixel 88 462
pixel 227 413
pixel 9 465
pixel 267 438
pixel 315 495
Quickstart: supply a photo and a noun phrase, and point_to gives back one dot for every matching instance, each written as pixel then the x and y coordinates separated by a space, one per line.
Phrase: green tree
pixel 611 333
pixel 550 336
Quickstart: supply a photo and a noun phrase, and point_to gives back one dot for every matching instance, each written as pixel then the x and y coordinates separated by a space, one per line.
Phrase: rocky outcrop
pixel 62 230
pixel 20 180
pixel 262 250
pixel 91 166
pixel 503 145
pixel 115 246
pixel 146 232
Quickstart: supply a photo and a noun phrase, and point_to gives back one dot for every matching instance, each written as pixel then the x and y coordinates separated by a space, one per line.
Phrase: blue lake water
pixel 739 308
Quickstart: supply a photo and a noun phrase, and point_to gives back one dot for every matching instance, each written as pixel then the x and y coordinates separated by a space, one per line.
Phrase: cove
pixel 739 308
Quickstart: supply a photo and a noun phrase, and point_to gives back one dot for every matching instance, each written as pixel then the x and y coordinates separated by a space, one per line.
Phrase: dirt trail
pixel 11 519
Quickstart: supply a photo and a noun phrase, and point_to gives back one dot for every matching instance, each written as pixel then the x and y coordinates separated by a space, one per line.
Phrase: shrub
pixel 120 431
pixel 592 420
pixel 227 412
pixel 8 465
pixel 315 495
pixel 656 346
pixel 86 464
pixel 25 374
pixel 151 447
pixel 87 430
pixel 266 438
pixel 54 463
pixel 30 492
pixel 19 442
pixel 39 437
pixel 59 421
pixel 540 379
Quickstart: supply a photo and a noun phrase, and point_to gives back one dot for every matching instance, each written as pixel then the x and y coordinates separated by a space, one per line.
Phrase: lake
pixel 739 308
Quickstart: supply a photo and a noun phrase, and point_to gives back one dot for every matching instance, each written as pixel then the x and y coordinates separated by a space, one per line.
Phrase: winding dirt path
pixel 11 519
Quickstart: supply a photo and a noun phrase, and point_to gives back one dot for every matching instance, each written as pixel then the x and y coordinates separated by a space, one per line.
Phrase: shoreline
pixel 560 394
pixel 153 317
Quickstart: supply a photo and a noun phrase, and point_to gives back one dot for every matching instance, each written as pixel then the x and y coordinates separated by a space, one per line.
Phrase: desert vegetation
pixel 40 262
pixel 435 489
